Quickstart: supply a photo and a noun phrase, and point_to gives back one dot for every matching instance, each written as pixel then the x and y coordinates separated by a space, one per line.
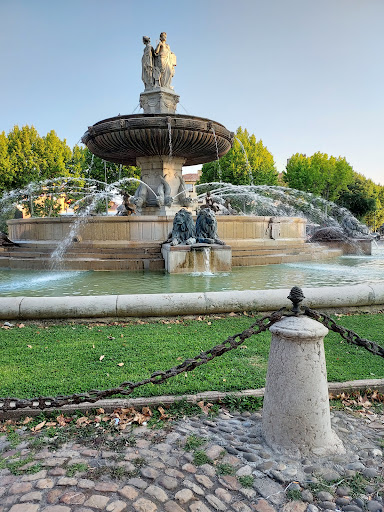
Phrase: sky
pixel 302 75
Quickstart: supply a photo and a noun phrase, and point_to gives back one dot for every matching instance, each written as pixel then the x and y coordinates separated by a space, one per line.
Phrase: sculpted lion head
pixel 183 230
pixel 206 227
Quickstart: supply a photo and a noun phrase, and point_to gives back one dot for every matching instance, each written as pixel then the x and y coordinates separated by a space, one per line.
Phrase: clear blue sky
pixel 302 75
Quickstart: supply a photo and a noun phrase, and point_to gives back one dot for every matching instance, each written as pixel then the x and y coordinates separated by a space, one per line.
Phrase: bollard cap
pixel 300 328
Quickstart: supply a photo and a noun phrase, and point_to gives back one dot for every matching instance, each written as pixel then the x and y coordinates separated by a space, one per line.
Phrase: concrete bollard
pixel 296 414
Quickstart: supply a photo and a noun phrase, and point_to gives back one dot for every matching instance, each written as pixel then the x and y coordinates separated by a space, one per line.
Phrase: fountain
pixel 271 229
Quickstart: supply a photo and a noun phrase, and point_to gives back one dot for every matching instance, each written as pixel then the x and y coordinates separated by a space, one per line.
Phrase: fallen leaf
pixel 147 411
pixel 120 364
pixel 163 414
pixel 100 410
pixel 27 420
pixel 204 408
pixel 111 337
pixel 101 358
pixel 140 418
pixel 232 314
pixel 39 426
pixel 29 346
pixel 82 421
pixel 20 326
pixel 61 420
pixel 51 424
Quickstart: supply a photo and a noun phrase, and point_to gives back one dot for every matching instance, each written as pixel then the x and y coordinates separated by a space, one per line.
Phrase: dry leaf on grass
pixel 39 426
pixel 205 408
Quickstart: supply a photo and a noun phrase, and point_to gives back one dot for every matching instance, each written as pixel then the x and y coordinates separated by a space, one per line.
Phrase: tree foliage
pixel 247 162
pixel 26 157
pixel 95 168
pixel 319 174
pixel 27 160
pixel 359 197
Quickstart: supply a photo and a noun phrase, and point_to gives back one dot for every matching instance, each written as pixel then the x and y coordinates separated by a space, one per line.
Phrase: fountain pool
pixel 345 270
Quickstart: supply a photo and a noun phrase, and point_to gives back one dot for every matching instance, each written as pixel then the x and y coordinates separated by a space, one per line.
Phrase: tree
pixel 319 174
pixel 5 164
pixel 26 157
pixel 93 167
pixel 359 197
pixel 247 162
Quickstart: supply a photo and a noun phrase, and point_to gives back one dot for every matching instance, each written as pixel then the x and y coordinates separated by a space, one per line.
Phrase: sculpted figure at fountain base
pixel 164 191
pixel 183 229
pixel 206 227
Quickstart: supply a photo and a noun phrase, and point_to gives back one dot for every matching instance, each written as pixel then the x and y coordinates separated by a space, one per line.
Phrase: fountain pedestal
pixel 165 192
pixel 159 101
pixel 182 259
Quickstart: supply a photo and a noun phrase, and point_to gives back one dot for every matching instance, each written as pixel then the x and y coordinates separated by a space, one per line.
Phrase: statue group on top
pixel 158 65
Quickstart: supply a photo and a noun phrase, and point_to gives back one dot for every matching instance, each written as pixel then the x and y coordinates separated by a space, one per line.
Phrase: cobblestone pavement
pixel 196 464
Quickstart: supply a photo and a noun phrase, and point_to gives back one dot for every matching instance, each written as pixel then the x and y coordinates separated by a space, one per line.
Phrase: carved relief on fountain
pixel 164 192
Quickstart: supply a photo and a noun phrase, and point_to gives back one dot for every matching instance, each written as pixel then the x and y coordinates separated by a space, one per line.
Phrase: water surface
pixel 346 270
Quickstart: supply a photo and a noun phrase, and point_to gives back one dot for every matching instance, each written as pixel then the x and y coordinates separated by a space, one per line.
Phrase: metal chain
pixel 350 336
pixel 158 377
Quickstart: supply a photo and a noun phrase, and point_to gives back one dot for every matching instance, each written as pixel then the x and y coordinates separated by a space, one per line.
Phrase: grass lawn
pixel 61 359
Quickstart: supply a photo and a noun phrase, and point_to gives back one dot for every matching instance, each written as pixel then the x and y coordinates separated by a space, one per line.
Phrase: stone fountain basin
pixel 122 139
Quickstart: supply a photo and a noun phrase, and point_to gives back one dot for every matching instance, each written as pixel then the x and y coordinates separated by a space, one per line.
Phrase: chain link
pixel 350 336
pixel 158 377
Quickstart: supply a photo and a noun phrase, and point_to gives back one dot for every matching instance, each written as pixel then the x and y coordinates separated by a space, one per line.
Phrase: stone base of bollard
pixel 296 414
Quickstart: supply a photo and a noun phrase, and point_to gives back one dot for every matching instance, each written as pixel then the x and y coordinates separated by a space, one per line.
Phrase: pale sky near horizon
pixel 302 75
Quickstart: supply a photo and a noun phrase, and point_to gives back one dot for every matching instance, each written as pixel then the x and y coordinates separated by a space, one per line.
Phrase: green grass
pixel 246 480
pixel 61 359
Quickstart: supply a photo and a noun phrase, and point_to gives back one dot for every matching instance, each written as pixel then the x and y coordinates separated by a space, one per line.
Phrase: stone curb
pixel 207 396
pixel 180 304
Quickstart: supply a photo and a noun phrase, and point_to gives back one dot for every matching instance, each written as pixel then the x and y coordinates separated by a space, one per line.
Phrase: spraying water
pixel 275 201
pixel 217 154
pixel 246 159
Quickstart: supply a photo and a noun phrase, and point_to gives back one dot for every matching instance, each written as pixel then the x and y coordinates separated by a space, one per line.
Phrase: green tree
pixel 247 162
pixel 27 157
pixel 6 174
pixel 359 197
pixel 93 167
pixel 319 174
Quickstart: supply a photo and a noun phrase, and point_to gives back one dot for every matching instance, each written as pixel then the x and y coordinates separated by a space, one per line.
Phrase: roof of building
pixel 191 177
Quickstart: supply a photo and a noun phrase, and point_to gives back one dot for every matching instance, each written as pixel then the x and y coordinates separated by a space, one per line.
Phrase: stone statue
pixel 210 203
pixel 206 227
pixel 6 242
pixel 147 64
pixel 165 62
pixel 183 230
pixel 127 207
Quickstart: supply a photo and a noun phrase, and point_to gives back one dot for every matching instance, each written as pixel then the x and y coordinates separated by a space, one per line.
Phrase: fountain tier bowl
pixel 122 139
